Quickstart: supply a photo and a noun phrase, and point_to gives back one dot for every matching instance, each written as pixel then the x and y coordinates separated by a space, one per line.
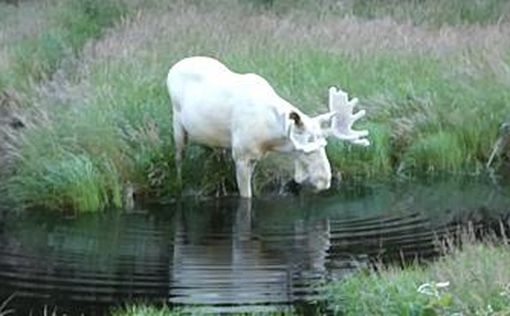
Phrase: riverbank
pixel 474 280
pixel 225 254
pixel 96 128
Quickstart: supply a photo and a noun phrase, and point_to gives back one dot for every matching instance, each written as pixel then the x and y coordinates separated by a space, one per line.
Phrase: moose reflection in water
pixel 221 253
pixel 246 265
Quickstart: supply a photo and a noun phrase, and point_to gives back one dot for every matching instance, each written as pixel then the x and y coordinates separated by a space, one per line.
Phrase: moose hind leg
pixel 180 140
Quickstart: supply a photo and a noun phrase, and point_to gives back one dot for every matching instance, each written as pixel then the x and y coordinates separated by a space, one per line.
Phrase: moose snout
pixel 319 183
pixel 323 184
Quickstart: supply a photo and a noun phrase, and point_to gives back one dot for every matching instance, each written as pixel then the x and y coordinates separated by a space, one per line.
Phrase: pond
pixel 227 254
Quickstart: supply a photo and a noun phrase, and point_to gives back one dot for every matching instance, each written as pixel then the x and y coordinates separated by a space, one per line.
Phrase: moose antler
pixel 341 124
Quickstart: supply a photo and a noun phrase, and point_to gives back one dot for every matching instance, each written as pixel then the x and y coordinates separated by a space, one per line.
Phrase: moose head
pixel 309 138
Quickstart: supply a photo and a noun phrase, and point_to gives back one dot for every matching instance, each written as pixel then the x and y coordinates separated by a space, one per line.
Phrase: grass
pixel 67 181
pixel 435 92
pixel 472 280
pixel 148 310
pixel 60 30
pixel 435 12
pixel 432 13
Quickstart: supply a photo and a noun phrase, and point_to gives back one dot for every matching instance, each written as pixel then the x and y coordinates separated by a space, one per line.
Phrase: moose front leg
pixel 244 170
pixel 180 140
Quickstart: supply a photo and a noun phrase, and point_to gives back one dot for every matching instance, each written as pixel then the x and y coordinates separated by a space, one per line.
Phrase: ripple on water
pixel 221 254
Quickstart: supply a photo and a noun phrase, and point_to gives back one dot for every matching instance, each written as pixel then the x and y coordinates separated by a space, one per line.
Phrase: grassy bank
pixel 435 92
pixel 42 41
pixel 432 13
pixel 37 36
pixel 147 310
pixel 471 281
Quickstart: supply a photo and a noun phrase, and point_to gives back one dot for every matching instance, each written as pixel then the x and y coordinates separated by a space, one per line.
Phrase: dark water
pixel 226 254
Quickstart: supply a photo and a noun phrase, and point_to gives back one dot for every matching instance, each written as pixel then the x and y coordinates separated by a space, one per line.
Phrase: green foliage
pixel 374 161
pixel 84 20
pixel 440 151
pixel 66 181
pixel 149 310
pixel 427 111
pixel 281 6
pixel 35 59
pixel 37 56
pixel 128 120
pixel 434 12
pixel 471 281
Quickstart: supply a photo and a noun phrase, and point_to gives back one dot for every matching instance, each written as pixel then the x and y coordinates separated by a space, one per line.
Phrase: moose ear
pixel 294 116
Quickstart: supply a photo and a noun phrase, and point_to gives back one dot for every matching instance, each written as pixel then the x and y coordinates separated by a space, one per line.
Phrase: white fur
pixel 216 107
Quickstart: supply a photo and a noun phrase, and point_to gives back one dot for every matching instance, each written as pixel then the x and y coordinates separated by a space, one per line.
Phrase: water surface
pixel 226 254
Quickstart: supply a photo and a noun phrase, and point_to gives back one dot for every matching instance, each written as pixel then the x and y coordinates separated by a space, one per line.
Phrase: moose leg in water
pixel 180 140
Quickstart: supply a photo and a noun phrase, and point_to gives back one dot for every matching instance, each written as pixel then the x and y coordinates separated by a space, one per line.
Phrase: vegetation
pixel 434 13
pixel 55 30
pixel 469 280
pixel 433 75
pixel 147 310
pixel 473 280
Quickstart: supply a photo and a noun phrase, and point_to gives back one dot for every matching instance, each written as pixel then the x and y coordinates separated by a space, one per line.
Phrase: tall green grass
pixel 435 13
pixel 60 178
pixel 471 281
pixel 149 310
pixel 68 26
pixel 67 181
pixel 109 125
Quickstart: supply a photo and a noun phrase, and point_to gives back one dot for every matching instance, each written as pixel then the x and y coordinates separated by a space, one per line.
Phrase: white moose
pixel 216 107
